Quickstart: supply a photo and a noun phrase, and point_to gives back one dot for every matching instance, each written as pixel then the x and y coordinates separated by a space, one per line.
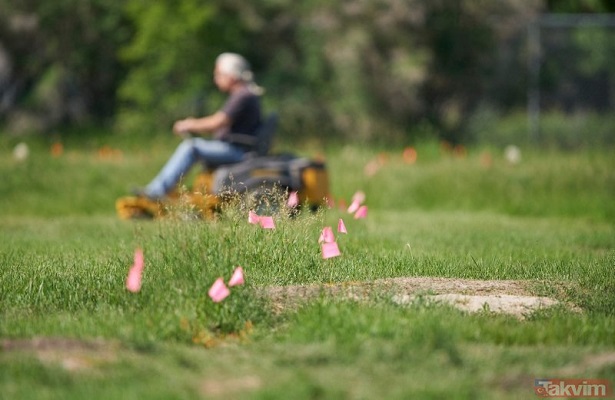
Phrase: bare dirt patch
pixel 594 362
pixel 500 296
pixel 230 386
pixel 70 354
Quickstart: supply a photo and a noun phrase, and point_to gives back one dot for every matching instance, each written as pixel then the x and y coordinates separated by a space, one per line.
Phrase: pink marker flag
pixel 354 206
pixel 218 291
pixel 293 199
pixel 341 228
pixel 267 222
pixel 359 196
pixel 133 281
pixel 253 218
pixel 361 213
pixel 357 199
pixel 326 235
pixel 237 278
pixel 330 201
pixel 330 250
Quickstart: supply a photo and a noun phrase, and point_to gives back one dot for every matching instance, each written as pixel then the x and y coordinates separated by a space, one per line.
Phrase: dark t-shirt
pixel 244 109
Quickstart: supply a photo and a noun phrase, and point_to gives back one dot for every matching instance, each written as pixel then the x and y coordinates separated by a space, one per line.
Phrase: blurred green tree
pixel 170 59
pixel 351 69
pixel 61 57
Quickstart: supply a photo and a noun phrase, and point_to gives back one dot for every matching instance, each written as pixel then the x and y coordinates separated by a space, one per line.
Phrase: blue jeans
pixel 210 152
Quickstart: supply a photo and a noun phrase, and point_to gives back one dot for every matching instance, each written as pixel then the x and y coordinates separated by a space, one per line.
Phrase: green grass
pixel 64 257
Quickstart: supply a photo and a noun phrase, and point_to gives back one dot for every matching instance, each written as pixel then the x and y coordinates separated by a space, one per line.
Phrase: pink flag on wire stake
pixel 330 250
pixel 133 281
pixel 293 200
pixel 138 262
pixel 267 222
pixel 253 218
pixel 326 235
pixel 330 201
pixel 357 199
pixel 237 278
pixel 359 196
pixel 354 206
pixel 361 213
pixel 218 291
pixel 341 228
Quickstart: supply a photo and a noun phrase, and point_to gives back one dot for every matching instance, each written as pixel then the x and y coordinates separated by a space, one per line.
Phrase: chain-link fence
pixel 571 76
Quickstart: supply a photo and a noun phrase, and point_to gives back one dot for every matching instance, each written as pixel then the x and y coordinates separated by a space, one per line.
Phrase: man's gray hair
pixel 238 67
pixel 234 65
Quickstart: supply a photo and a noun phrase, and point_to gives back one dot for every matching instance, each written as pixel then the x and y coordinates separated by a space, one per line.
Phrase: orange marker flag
pixel 409 155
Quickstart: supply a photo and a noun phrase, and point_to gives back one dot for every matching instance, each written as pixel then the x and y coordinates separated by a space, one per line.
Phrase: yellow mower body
pixel 259 171
pixel 209 190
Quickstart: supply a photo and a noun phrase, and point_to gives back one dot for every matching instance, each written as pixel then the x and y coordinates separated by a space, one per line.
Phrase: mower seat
pixel 261 141
pixel 260 144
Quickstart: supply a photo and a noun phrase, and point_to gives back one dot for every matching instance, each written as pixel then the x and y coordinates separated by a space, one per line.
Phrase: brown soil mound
pixel 501 296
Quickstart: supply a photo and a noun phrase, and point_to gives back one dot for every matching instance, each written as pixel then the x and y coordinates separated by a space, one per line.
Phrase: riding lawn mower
pixel 258 174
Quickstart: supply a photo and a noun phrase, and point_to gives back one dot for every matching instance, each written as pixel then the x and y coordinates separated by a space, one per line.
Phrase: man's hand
pixel 202 125
pixel 183 126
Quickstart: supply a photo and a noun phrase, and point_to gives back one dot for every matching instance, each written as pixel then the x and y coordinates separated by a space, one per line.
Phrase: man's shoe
pixel 140 192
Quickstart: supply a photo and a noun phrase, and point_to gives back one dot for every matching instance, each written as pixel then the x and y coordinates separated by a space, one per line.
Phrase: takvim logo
pixel 573 388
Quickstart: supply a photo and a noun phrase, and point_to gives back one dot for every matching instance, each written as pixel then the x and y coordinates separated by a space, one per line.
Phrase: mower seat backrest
pixel 264 135
pixel 259 143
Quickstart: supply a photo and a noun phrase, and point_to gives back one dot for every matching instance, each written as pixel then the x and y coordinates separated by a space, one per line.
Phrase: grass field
pixel 69 328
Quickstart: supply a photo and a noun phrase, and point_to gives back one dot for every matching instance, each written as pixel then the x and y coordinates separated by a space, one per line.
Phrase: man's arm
pixel 202 125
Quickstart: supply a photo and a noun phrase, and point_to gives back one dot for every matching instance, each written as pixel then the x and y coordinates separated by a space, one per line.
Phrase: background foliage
pixel 380 69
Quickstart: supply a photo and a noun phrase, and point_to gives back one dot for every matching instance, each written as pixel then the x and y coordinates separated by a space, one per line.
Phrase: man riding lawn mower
pixel 258 174
pixel 236 158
